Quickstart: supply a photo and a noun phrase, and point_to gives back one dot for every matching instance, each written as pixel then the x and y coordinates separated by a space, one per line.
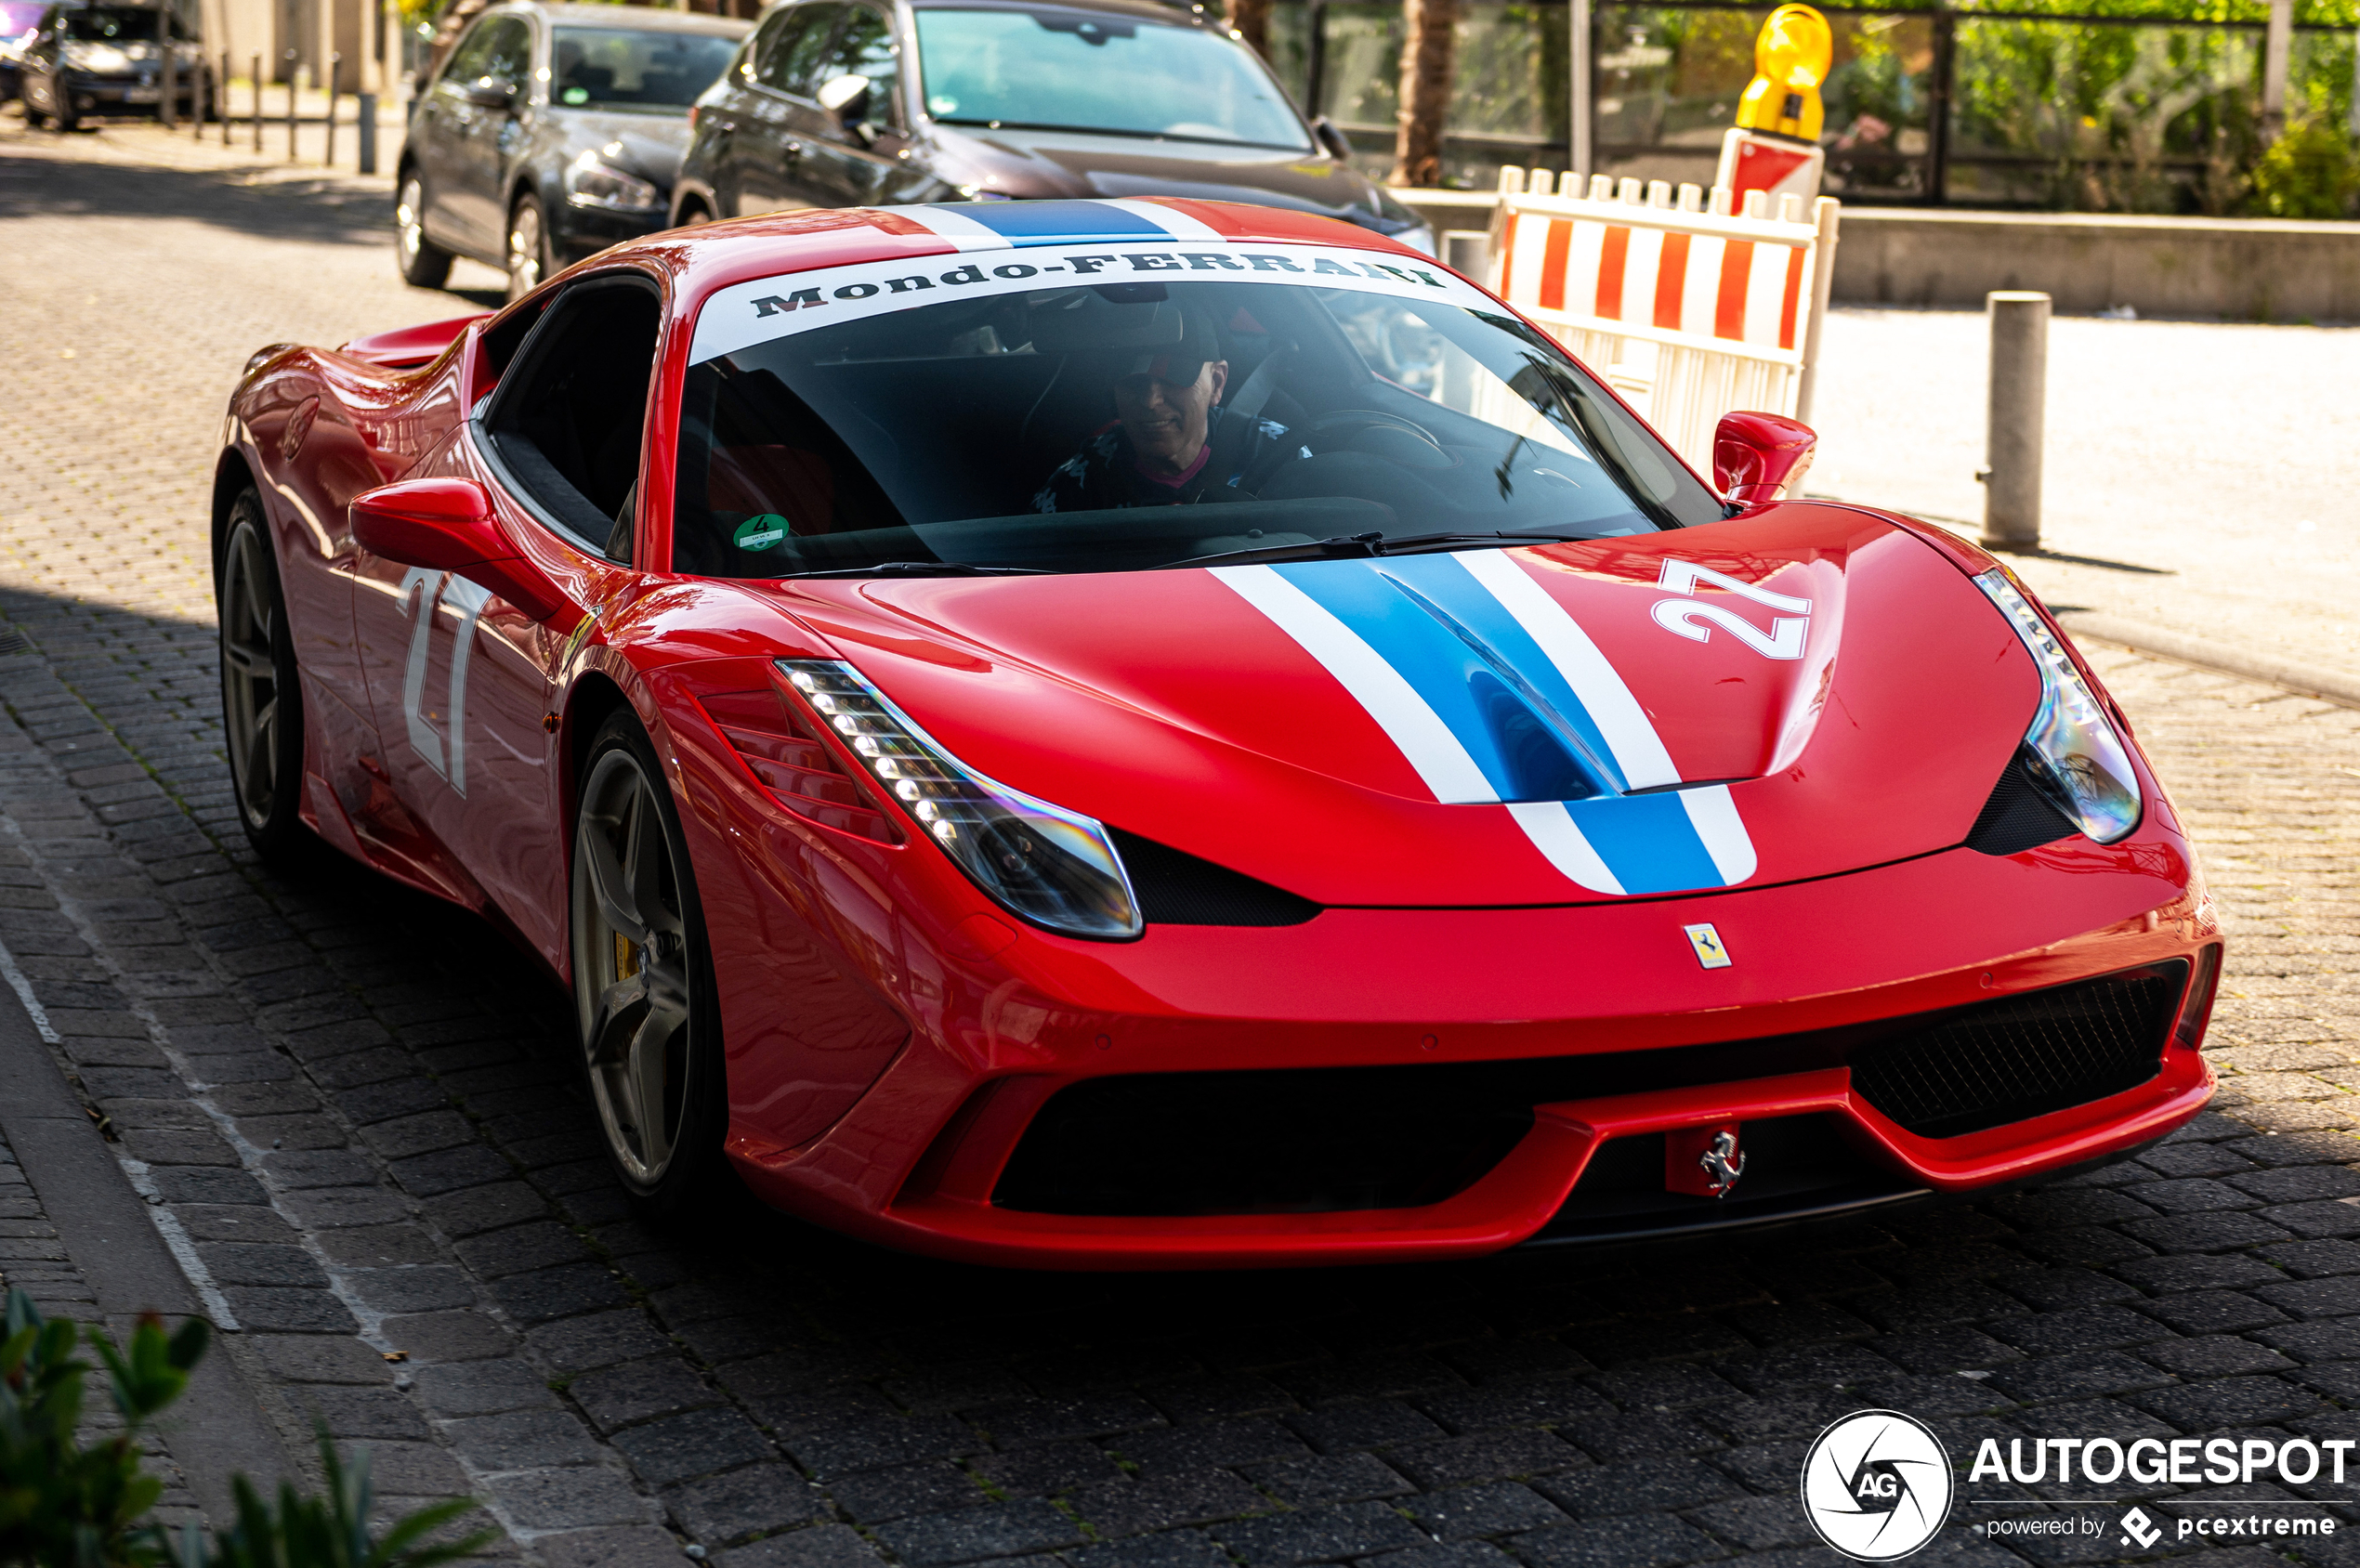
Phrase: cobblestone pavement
pixel 364 1110
pixel 35 1260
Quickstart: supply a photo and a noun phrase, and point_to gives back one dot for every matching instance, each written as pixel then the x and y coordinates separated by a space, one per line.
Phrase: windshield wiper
pixel 926 568
pixel 1366 544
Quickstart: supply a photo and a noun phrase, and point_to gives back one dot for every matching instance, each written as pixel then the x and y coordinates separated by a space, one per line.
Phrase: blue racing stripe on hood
pixel 1464 673
pixel 1523 755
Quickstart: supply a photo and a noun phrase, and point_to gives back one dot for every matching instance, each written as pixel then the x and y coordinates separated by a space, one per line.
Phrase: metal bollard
pixel 367 131
pixel 335 79
pixel 257 106
pixel 2011 475
pixel 221 97
pixel 291 106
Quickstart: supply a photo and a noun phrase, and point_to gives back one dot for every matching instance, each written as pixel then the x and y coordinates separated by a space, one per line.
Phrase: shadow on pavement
pixel 35 181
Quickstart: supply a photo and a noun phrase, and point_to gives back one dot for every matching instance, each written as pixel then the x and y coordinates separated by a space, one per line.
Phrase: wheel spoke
pixel 611 883
pixel 644 854
pixel 621 1006
pixel 650 1071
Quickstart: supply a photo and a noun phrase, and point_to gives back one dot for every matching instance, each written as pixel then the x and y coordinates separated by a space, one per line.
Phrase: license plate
pixel 143 95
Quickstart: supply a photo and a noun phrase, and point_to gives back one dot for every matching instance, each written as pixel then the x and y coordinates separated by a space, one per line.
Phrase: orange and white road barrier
pixel 1689 308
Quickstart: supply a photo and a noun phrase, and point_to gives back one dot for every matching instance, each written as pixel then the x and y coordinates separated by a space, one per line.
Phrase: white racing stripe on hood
pixel 1423 738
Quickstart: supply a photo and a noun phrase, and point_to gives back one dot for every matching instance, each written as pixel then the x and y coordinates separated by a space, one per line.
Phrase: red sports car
pixel 1155 734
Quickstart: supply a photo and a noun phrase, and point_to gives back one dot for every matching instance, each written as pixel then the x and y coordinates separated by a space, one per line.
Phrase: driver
pixel 1169 443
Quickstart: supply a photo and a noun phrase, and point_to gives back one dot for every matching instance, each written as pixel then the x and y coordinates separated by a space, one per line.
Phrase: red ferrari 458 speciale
pixel 1155 734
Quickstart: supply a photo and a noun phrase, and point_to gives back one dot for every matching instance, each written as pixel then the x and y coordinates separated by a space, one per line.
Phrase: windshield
pixel 610 68
pixel 91 24
pixel 1302 401
pixel 1091 70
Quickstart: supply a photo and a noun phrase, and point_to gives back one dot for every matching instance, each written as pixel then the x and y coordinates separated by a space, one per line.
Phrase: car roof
pixel 1146 10
pixel 637 19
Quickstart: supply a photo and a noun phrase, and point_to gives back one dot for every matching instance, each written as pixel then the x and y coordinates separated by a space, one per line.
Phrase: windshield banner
pixel 745 314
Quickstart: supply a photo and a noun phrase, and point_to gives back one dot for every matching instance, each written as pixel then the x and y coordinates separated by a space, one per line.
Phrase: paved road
pixel 364 1111
pixel 2204 477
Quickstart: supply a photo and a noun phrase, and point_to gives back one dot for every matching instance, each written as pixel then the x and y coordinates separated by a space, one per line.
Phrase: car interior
pixel 566 419
pixel 923 434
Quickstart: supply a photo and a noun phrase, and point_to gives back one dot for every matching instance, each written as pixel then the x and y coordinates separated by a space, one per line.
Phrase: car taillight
pixel 694 110
pixel 2197 1007
pixel 799 770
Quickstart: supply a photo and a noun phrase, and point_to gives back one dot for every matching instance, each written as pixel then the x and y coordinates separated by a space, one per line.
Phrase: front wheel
pixel 528 247
pixel 261 695
pixel 643 979
pixel 422 262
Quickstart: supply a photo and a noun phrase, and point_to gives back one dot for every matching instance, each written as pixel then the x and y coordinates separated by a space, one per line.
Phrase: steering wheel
pixel 1405 441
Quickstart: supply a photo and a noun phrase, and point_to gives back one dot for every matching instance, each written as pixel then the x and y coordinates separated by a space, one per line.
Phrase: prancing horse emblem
pixel 1721 1163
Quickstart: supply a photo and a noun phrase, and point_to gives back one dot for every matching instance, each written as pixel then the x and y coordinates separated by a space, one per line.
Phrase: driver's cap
pixel 1181 357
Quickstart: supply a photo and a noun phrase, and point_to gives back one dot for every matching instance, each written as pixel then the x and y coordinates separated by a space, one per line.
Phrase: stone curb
pixel 2286 675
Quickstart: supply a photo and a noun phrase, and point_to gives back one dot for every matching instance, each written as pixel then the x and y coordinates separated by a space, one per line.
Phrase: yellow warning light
pixel 1790 60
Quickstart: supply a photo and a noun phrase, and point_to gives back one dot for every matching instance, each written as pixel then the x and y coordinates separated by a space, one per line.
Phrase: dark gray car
pixel 550 131
pixel 837 103
pixel 84 61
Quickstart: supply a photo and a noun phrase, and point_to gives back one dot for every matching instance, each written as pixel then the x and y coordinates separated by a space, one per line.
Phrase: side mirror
pixel 445 525
pixel 490 95
pixel 846 97
pixel 1332 137
pixel 1757 458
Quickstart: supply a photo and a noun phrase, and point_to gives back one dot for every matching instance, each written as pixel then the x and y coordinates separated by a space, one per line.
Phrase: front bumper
pixel 923 1161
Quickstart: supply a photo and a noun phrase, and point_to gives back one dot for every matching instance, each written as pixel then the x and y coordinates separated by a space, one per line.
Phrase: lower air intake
pixel 2006 1061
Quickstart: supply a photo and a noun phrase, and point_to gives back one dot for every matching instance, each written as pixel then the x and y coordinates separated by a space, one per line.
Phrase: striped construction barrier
pixel 1689 309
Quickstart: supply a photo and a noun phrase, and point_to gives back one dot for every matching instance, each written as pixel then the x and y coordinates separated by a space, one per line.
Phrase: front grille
pixel 2026 1056
pixel 1319 1140
pixel 1272 1143
pixel 2018 816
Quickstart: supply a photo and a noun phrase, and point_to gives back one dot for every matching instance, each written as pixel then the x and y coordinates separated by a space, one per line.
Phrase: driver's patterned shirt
pixel 1104 475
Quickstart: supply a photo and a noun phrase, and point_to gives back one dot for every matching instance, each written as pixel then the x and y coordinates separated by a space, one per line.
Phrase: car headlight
pixel 1052 867
pixel 100 59
pixel 2077 758
pixel 590 182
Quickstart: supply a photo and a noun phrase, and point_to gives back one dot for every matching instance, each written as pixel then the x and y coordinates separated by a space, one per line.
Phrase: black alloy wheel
pixel 261 694
pixel 643 978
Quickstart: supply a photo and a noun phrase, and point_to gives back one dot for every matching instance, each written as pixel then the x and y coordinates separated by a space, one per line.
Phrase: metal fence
pixel 1980 107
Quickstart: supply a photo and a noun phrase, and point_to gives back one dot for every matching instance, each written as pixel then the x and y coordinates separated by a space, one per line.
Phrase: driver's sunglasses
pixel 1135 387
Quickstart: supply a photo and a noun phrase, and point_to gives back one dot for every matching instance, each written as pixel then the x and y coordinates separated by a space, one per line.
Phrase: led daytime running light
pixel 1052 867
pixel 2078 760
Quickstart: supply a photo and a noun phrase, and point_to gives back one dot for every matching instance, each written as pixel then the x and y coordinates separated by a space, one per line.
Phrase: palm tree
pixel 1430 36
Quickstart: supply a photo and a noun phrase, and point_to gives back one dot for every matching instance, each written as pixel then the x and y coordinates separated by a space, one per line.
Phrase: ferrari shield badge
pixel 1707 942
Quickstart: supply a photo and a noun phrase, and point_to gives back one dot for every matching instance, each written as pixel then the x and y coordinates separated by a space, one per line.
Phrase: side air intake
pixel 2018 816
pixel 1176 888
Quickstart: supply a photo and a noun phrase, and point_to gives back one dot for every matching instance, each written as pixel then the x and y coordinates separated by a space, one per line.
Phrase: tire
pixel 528 247
pixel 643 982
pixel 692 213
pixel 423 263
pixel 261 694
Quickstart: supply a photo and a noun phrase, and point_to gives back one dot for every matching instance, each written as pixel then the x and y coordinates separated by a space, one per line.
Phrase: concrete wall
pixel 2246 269
pixel 2251 269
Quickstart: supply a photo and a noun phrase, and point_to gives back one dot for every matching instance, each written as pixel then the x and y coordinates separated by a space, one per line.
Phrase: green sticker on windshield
pixel 576 94
pixel 762 533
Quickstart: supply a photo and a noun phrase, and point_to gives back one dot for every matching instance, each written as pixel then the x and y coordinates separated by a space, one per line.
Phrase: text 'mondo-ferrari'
pixel 1151 734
